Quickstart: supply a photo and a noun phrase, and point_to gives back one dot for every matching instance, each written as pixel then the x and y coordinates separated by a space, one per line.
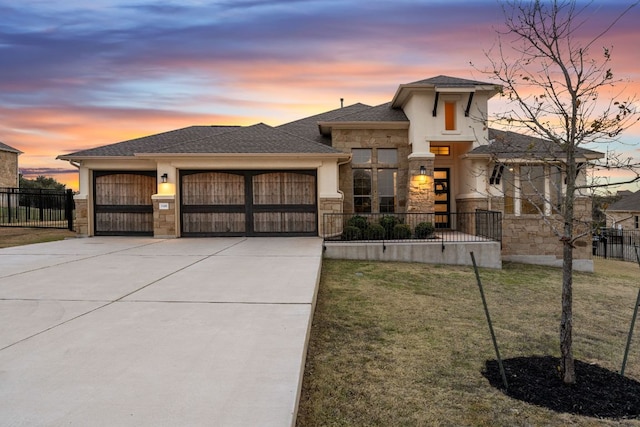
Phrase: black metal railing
pixel 616 244
pixel 481 225
pixel 36 208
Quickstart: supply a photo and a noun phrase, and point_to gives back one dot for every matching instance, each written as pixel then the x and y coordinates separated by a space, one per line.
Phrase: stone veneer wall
pixel 346 139
pixel 334 225
pixel 421 197
pixel 531 235
pixel 624 219
pixel 164 220
pixel 466 213
pixel 81 221
pixel 8 169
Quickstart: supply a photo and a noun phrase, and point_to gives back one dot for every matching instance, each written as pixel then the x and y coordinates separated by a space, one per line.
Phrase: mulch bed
pixel 598 392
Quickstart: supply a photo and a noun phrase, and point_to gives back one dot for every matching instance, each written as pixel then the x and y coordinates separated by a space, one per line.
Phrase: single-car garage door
pixel 123 205
pixel 248 203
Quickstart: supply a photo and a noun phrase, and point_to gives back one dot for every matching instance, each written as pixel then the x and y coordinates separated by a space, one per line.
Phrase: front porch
pixel 416 237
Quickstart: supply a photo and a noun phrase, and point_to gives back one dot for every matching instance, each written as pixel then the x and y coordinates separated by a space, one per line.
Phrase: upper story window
pixel 443 150
pixel 387 155
pixel 449 115
pixel 637 221
pixel 361 156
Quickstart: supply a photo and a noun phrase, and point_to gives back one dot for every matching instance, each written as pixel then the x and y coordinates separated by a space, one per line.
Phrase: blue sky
pixel 78 74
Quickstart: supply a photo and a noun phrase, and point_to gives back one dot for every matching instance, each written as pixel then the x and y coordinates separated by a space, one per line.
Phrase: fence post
pixel 69 209
pixel 633 322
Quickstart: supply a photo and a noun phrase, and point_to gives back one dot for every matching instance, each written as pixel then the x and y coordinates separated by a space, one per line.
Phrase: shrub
pixel 424 230
pixel 375 232
pixel 358 221
pixel 401 231
pixel 388 222
pixel 351 232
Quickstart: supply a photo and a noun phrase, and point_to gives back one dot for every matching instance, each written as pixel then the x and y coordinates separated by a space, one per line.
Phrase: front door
pixel 442 197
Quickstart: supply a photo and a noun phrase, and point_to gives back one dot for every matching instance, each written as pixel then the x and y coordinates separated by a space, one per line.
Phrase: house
pixel 625 213
pixel 427 150
pixel 9 173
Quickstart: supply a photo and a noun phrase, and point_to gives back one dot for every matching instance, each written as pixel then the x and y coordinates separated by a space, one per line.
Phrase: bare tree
pixel 555 81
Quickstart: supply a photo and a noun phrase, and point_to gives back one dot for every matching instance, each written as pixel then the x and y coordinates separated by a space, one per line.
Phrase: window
pixel 361 156
pixel 531 189
pixel 636 221
pixel 362 190
pixel 449 115
pixel 387 155
pixel 387 190
pixel 374 179
pixel 444 150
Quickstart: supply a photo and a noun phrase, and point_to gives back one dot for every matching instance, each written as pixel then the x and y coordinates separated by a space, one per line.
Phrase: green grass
pixel 399 344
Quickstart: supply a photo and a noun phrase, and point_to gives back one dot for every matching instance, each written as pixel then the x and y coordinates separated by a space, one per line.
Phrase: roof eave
pixel 337 155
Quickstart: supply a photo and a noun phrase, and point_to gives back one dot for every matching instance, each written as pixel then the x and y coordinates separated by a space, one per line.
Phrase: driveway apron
pixel 140 331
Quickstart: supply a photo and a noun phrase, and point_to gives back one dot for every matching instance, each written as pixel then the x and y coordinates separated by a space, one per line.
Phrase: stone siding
pixel 8 169
pixel 334 224
pixel 624 219
pixel 346 139
pixel 421 196
pixel 81 221
pixel 531 235
pixel 164 220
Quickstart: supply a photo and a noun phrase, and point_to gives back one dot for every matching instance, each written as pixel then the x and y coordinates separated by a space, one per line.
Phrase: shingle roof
pixel 379 113
pixel 308 126
pixel 446 81
pixel 511 145
pixel 5 147
pixel 627 203
pixel 153 143
pixel 259 139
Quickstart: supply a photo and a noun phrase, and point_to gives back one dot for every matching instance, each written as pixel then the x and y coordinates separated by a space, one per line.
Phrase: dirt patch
pixel 598 392
pixel 17 236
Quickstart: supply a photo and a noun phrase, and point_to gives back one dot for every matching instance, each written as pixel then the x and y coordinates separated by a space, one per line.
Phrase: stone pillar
pixel 164 216
pixel 334 225
pixel 421 193
pixel 81 220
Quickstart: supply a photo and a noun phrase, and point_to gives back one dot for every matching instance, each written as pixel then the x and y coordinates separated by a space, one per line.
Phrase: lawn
pixel 400 344
pixel 18 236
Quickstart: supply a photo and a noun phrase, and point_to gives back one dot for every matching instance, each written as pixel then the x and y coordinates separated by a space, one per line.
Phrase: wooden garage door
pixel 248 203
pixel 123 203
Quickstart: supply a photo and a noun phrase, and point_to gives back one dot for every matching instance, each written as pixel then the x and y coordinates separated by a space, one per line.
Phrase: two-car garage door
pixel 248 203
pixel 212 203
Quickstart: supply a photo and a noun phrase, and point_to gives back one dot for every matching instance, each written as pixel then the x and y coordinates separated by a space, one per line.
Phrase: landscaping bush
pixel 351 232
pixel 401 231
pixel 375 232
pixel 388 222
pixel 424 230
pixel 358 221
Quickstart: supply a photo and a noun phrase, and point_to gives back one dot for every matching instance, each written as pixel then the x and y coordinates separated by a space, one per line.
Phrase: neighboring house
pixel 428 150
pixel 9 173
pixel 625 213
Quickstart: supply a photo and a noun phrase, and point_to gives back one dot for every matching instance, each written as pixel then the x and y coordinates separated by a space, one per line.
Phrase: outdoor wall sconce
pixel 423 170
pixel 164 178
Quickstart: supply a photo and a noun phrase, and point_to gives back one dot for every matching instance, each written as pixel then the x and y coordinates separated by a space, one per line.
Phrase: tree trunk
pixel 566 320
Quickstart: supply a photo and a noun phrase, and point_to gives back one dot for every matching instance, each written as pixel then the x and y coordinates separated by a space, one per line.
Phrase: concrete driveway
pixel 139 331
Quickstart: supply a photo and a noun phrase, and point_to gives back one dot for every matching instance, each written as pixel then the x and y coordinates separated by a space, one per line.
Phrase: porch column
pixel 421 196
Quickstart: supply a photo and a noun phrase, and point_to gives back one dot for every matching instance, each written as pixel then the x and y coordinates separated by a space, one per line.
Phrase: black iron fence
pixel 616 244
pixel 480 225
pixel 37 208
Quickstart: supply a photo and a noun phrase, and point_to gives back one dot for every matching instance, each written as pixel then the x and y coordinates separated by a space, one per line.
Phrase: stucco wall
pixel 346 139
pixel 8 169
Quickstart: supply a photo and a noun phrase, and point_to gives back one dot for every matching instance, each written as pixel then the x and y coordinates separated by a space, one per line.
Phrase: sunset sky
pixel 76 74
